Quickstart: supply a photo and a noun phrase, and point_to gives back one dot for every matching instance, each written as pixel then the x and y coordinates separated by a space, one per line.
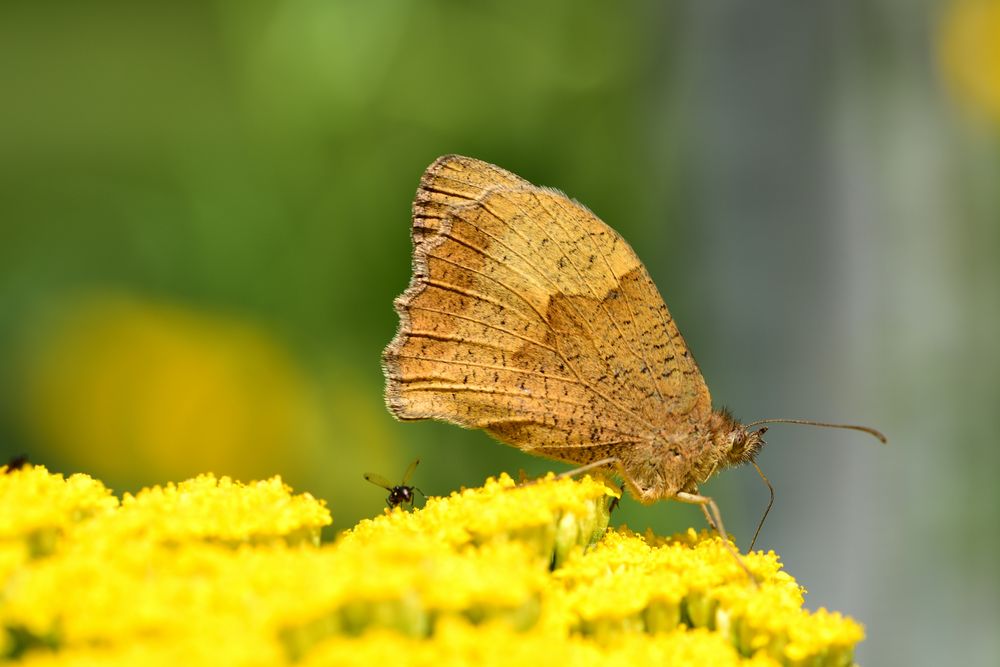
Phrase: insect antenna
pixel 807 422
pixel 769 503
pixel 852 427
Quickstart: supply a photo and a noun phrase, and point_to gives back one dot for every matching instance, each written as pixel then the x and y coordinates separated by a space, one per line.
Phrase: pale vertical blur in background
pixel 204 212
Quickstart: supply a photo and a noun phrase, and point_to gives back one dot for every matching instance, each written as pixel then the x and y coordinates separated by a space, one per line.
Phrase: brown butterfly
pixel 530 318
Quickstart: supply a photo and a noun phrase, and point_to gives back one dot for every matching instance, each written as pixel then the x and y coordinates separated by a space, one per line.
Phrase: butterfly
pixel 530 318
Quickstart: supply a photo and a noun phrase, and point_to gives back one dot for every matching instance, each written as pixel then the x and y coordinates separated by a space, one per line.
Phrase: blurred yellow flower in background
pixel 969 43
pixel 128 387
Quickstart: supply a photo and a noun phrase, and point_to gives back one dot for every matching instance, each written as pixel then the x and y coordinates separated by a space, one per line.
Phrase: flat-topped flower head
pixel 213 571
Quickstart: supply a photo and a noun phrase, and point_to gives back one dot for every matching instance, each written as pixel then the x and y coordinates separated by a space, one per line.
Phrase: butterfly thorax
pixel 682 461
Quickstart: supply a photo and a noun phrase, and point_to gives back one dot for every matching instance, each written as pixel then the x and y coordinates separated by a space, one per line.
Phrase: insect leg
pixel 715 520
pixel 578 471
pixel 708 518
pixel 590 466
pixel 617 501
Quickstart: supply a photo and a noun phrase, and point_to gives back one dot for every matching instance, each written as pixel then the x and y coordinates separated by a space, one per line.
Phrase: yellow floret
pixel 221 509
pixel 492 645
pixel 35 499
pixel 553 516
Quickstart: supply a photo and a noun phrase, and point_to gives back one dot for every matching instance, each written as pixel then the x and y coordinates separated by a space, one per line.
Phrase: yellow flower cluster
pixel 969 53
pixel 211 571
pixel 137 385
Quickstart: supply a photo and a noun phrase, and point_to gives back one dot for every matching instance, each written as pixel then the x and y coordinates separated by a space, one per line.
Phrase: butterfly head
pixel 745 445
pixel 737 443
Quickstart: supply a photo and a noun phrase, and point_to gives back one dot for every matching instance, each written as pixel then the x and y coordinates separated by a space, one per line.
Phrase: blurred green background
pixel 204 219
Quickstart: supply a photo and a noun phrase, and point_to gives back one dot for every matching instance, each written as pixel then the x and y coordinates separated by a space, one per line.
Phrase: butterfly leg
pixel 575 471
pixel 600 464
pixel 590 466
pixel 714 517
pixel 708 518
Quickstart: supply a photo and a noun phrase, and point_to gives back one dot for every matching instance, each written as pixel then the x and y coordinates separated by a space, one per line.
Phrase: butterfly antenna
pixel 769 503
pixel 852 427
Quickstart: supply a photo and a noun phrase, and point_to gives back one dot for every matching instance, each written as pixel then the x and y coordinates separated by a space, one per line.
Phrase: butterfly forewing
pixel 529 317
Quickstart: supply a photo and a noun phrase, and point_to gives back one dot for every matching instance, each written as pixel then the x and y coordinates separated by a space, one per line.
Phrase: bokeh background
pixel 204 212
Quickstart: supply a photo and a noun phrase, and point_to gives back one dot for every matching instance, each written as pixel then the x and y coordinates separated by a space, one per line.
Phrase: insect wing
pixel 409 472
pixel 529 317
pixel 379 480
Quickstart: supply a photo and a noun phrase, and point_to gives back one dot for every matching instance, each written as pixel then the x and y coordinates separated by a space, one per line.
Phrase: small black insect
pixel 400 493
pixel 16 463
pixel 613 505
